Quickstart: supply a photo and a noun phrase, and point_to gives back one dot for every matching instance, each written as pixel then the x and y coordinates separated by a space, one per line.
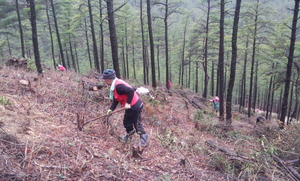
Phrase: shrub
pixel 4 101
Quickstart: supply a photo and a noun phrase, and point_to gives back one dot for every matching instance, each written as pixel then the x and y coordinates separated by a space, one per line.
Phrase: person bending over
pixel 121 92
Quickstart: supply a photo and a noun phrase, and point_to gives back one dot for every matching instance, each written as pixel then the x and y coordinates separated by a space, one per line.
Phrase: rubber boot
pixel 144 140
pixel 128 136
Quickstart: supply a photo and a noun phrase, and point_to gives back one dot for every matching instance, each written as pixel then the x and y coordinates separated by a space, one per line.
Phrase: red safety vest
pixel 122 99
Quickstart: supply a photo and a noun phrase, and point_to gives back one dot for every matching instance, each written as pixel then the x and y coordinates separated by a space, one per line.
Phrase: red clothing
pixel 169 84
pixel 122 99
pixel 216 99
pixel 62 68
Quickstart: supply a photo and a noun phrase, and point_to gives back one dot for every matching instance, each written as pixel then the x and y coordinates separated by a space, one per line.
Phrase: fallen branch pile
pixel 287 165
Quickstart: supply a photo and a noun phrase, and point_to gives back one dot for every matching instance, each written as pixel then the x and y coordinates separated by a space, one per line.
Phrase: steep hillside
pixel 40 139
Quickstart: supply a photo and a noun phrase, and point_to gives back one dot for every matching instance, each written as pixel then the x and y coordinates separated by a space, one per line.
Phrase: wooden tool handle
pixel 123 108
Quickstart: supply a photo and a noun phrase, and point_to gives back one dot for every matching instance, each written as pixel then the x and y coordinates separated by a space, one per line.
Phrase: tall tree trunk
pixel 295 110
pixel 243 95
pixel 76 55
pixel 197 77
pixel 126 50
pixel 221 61
pixel 294 114
pixel 206 50
pixel 102 39
pixel 272 98
pixel 88 44
pixel 179 75
pixel 253 61
pixel 68 60
pixel 8 44
pixel 213 78
pixel 280 102
pixel 146 63
pixel 143 42
pixel 258 100
pixel 133 59
pixel 123 58
pixel 233 62
pixel 95 50
pixel 269 96
pixel 51 36
pixel 72 54
pixel 183 51
pixel 58 35
pixel 255 87
pixel 291 102
pixel 289 65
pixel 20 29
pixel 189 71
pixel 151 44
pixel 166 43
pixel 28 51
pixel 113 36
pixel 34 37
pixel 158 63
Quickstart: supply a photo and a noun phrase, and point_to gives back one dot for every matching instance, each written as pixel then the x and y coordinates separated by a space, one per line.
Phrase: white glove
pixel 127 106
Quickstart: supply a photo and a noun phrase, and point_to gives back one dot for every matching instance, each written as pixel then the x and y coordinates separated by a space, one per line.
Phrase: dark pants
pixel 259 119
pixel 132 118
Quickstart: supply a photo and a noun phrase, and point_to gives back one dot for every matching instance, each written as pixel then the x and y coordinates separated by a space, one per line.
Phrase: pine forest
pixel 186 52
pixel 245 52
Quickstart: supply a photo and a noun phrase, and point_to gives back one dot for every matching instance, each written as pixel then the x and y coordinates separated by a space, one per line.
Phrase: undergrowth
pixel 178 135
pixel 253 150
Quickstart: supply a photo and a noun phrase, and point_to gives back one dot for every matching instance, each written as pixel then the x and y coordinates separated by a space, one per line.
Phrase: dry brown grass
pixel 39 139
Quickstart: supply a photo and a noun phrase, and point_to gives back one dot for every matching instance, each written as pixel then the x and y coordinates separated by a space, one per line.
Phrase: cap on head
pixel 108 74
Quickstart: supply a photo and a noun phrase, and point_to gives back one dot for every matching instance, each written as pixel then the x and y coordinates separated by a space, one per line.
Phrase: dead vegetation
pixel 40 139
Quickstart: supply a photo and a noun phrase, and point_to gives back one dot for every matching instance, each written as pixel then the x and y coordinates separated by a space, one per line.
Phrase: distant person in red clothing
pixel 169 84
pixel 60 67
pixel 216 102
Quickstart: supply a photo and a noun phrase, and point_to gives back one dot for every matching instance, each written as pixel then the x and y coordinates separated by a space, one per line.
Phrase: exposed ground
pixel 40 140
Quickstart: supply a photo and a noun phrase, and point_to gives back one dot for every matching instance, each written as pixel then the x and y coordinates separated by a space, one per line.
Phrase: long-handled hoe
pixel 137 150
pixel 81 123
